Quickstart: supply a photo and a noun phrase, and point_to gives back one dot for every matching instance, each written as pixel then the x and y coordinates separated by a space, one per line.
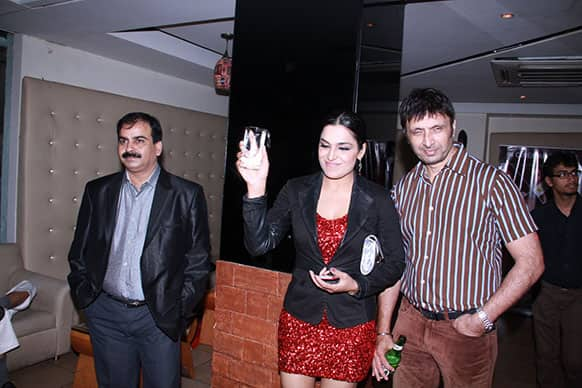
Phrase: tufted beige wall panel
pixel 68 137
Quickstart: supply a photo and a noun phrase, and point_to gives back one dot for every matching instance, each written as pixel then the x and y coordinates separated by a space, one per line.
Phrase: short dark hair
pixel 351 121
pixel 131 118
pixel 565 158
pixel 421 102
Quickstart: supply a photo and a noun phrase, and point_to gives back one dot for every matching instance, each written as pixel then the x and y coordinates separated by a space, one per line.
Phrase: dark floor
pixel 60 373
pixel 515 364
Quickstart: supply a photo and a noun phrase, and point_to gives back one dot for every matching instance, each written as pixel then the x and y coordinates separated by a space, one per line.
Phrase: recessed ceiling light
pixel 370 25
pixel 507 15
pixel 522 97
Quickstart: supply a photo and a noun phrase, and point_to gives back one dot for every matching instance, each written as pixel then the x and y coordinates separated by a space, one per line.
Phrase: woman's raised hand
pixel 253 165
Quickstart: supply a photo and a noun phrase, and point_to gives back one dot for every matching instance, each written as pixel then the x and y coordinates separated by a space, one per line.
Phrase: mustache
pixel 128 154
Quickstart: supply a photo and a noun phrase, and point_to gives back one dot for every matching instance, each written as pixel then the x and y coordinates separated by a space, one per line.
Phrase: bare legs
pixel 289 380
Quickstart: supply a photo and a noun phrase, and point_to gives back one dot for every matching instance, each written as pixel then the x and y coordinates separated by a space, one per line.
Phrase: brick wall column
pixel 247 307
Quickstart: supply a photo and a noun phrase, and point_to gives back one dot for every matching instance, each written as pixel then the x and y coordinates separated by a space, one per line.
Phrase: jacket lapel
pixel 111 195
pixel 360 207
pixel 308 198
pixel 161 197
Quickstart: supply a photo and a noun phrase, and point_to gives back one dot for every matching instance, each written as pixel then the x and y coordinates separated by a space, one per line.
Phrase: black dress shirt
pixel 561 239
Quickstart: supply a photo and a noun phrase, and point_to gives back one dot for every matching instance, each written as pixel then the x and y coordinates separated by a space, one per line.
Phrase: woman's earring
pixel 359 166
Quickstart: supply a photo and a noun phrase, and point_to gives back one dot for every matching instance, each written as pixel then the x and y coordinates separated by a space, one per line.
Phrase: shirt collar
pixel 151 181
pixel 459 162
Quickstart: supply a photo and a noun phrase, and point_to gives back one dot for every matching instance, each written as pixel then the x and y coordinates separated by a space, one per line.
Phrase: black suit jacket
pixel 371 212
pixel 175 258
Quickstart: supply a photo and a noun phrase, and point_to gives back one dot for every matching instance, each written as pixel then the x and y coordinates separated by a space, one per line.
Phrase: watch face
pixel 489 328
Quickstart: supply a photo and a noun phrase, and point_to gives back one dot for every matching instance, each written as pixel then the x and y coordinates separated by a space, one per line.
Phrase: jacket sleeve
pixel 197 256
pixel 264 230
pixel 390 269
pixel 78 278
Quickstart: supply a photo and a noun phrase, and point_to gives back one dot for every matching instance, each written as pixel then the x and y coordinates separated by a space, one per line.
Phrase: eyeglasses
pixel 565 174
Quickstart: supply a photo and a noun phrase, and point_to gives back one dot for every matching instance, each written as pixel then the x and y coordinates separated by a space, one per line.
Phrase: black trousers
pixel 557 318
pixel 125 340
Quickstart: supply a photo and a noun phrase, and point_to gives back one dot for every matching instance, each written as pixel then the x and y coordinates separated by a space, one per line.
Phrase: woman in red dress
pixel 327 325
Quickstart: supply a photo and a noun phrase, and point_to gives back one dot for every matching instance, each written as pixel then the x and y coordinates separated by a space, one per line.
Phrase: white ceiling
pixel 96 26
pixel 449 45
pixel 446 44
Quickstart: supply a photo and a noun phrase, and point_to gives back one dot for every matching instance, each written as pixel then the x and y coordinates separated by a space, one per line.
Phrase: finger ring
pixel 386 372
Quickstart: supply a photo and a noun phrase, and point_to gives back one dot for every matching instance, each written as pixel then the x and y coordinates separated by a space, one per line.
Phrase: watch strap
pixel 487 324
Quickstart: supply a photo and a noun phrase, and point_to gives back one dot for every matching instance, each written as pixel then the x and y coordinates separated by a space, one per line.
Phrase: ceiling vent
pixel 538 71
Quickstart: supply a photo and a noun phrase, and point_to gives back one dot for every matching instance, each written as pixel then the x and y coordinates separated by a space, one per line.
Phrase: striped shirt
pixel 453 231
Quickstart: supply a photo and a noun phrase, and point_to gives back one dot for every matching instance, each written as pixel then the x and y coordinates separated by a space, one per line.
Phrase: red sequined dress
pixel 323 350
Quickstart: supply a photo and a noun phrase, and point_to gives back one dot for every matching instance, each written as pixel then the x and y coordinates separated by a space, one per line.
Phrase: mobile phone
pixel 329 278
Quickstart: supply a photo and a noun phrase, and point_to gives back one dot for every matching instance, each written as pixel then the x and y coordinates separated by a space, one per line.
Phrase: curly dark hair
pixel 567 159
pixel 421 102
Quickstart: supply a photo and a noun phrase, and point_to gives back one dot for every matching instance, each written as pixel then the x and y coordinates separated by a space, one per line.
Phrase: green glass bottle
pixel 393 355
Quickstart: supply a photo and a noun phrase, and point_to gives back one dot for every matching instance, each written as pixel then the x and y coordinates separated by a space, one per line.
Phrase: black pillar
pixel 293 62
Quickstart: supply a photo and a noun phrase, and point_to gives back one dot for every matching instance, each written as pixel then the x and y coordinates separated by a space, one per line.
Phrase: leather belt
pixel 444 315
pixel 126 302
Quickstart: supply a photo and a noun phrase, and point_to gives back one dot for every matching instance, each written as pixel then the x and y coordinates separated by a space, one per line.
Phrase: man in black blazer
pixel 139 261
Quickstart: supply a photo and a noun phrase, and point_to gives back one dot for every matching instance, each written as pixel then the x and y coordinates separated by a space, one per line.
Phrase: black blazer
pixel 175 259
pixel 371 212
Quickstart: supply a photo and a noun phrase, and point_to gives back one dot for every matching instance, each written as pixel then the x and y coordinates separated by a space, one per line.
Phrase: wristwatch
pixel 487 324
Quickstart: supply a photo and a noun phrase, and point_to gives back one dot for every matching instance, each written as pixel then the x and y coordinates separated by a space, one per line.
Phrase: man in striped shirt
pixel 456 213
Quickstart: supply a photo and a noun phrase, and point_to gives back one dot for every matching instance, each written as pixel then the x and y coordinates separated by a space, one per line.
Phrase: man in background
pixel 456 213
pixel 139 261
pixel 557 310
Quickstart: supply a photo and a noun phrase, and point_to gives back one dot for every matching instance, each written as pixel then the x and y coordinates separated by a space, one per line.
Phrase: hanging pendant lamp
pixel 222 69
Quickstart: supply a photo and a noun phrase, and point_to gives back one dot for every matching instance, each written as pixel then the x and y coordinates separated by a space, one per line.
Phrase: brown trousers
pixel 557 318
pixel 434 349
